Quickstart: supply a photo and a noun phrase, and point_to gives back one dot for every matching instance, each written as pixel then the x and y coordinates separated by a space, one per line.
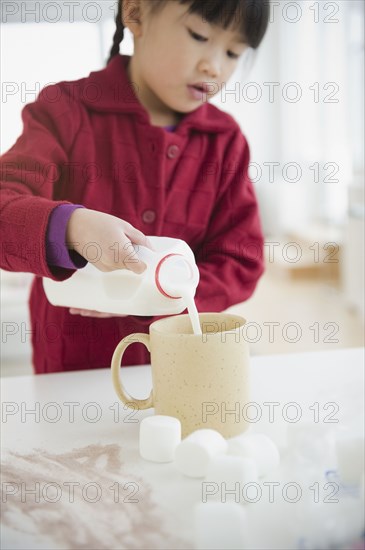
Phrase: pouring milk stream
pixel 166 287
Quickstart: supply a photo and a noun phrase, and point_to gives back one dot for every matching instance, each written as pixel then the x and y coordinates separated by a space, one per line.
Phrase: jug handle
pixel 115 367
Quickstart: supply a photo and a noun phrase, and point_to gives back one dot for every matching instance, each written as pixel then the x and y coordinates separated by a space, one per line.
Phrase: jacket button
pixel 173 151
pixel 149 216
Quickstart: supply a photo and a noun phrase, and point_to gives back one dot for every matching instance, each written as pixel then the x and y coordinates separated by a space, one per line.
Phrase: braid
pixel 119 33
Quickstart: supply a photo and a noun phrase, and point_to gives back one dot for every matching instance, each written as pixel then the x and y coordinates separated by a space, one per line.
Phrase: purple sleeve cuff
pixel 57 252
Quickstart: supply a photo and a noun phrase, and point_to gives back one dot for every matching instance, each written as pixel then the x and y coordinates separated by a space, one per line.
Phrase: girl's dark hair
pixel 249 17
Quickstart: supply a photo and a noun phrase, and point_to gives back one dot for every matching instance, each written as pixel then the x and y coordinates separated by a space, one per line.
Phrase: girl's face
pixel 174 51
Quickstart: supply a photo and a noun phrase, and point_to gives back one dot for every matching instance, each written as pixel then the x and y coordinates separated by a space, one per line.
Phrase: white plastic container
pixel 162 289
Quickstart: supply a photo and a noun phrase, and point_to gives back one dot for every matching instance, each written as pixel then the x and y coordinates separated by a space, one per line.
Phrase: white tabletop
pixel 79 448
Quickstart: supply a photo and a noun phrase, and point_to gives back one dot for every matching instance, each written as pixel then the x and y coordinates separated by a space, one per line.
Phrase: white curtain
pixel 301 108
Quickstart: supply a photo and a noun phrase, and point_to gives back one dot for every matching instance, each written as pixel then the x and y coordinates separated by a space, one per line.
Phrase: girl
pixel 135 149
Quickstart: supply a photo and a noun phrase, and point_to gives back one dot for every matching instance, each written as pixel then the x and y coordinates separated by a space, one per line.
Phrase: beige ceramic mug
pixel 200 379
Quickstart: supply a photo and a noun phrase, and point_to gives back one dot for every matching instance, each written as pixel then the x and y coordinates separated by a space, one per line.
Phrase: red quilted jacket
pixel 91 142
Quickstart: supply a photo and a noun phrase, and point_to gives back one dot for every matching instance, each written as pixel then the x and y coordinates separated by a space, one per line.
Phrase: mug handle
pixel 115 367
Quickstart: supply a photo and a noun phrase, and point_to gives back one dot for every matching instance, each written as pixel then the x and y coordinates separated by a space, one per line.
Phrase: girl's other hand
pixel 105 240
pixel 92 313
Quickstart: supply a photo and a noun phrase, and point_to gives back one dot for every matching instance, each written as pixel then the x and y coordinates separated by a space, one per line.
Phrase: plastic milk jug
pixel 167 286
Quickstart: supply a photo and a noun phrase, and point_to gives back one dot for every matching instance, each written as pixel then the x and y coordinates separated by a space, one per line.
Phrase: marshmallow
pixel 260 448
pixel 232 469
pixel 350 457
pixel 195 452
pixel 158 438
pixel 219 526
pixel 277 431
pixel 313 442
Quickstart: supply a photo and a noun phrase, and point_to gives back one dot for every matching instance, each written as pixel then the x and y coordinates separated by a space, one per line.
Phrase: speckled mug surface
pixel 201 379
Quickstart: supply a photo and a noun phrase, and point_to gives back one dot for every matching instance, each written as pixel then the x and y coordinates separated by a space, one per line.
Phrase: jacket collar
pixel 110 90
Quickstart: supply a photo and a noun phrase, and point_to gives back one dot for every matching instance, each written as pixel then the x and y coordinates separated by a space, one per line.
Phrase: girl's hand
pixel 105 240
pixel 91 313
